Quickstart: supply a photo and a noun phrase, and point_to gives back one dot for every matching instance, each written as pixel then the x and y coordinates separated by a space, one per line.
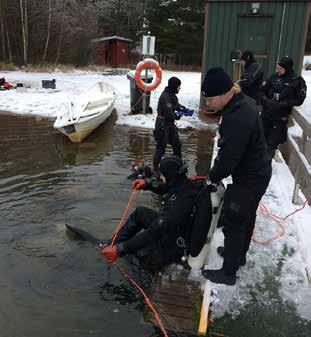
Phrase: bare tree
pixel 61 33
pixel 24 21
pixel 2 31
pixel 9 44
pixel 48 31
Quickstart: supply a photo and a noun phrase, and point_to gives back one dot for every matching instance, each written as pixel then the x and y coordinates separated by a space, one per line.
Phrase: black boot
pixel 219 276
pixel 243 261
pixel 221 251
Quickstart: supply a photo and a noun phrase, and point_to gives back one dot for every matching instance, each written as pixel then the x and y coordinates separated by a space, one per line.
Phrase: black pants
pixel 165 133
pixel 275 133
pixel 139 220
pixel 239 217
pixel 152 255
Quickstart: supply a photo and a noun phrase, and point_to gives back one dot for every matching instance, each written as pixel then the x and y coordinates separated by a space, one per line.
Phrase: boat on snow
pixel 87 112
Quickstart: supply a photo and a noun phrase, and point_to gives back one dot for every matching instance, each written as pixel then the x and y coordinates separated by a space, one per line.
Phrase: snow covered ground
pixel 50 103
pixel 294 284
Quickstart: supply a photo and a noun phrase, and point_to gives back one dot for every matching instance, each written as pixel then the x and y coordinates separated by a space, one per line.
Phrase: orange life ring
pixel 148 64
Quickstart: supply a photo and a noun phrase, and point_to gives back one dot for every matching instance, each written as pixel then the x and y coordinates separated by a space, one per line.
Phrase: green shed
pixel 270 28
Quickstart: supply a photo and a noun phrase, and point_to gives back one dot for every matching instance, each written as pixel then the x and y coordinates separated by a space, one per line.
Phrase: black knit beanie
pixel 173 84
pixel 287 63
pixel 216 83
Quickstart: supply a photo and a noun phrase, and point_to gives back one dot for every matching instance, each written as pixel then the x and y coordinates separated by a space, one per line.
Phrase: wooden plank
pixel 173 299
pixel 175 310
pixel 178 303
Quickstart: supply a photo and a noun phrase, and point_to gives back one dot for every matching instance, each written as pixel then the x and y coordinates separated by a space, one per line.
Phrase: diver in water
pixel 159 238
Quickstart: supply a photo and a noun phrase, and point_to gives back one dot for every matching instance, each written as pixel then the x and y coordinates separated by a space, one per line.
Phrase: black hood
pixel 287 63
pixel 173 169
pixel 173 84
pixel 248 57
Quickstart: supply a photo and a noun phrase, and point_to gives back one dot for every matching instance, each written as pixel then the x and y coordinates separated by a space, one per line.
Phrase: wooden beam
pixel 302 121
pixel 203 325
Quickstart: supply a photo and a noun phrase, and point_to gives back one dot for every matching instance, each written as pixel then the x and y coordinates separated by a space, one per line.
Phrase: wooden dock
pixel 178 302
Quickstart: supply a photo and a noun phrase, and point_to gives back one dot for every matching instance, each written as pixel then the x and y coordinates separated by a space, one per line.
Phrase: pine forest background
pixel 55 32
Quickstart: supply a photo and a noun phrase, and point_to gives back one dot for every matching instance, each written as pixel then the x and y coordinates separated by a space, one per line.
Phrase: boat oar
pixel 85 236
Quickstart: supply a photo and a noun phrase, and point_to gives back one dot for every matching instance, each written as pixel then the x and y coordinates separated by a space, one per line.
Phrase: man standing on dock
pixel 243 155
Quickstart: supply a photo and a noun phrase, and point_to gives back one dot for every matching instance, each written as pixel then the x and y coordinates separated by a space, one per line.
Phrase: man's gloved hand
pixel 189 112
pixel 212 188
pixel 140 172
pixel 110 253
pixel 139 184
pixel 181 108
pixel 179 113
pixel 215 186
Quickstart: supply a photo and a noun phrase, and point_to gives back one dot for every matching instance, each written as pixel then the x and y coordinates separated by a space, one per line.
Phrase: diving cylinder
pixel 216 199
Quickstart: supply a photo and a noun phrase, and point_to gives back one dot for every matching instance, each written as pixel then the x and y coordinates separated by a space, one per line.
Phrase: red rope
pixel 278 220
pixel 297 210
pixel 124 216
pixel 266 212
pixel 140 98
pixel 146 298
pixel 124 272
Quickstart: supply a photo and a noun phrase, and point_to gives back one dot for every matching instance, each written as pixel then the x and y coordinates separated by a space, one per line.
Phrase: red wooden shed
pixel 112 50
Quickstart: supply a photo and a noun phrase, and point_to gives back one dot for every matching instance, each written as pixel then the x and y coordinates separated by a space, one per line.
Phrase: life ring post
pixel 148 63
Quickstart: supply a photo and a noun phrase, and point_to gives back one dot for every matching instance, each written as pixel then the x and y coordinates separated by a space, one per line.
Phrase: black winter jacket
pixel 174 218
pixel 167 105
pixel 242 146
pixel 281 94
pixel 251 80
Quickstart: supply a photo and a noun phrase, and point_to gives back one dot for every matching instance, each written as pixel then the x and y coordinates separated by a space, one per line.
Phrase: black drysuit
pixel 251 80
pixel 161 238
pixel 281 94
pixel 166 131
pixel 243 155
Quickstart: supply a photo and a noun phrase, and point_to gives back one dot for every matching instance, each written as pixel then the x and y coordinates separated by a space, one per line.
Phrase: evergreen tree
pixel 179 29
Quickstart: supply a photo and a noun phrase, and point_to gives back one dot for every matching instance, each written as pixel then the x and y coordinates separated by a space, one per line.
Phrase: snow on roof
pixel 108 38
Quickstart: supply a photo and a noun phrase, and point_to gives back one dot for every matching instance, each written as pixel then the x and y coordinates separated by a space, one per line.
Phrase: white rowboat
pixel 87 112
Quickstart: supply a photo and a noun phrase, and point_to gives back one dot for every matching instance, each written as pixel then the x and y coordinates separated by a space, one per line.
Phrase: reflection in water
pixel 97 145
pixel 28 146
pixel 59 286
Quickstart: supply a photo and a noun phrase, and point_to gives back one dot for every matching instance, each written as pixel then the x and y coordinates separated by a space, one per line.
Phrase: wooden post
pixel 203 325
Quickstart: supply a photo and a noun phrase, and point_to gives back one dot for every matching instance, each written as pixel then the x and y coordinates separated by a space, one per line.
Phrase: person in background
pixel 169 110
pixel 252 77
pixel 243 155
pixel 281 92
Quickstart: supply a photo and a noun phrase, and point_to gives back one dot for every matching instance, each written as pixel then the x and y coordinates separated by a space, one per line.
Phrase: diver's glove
pixel 139 184
pixel 110 253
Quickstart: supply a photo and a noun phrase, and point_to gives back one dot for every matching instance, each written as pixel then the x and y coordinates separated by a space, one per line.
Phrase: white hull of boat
pixel 87 112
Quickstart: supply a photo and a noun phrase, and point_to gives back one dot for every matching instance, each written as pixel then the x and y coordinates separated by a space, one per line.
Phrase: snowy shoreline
pixel 49 103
